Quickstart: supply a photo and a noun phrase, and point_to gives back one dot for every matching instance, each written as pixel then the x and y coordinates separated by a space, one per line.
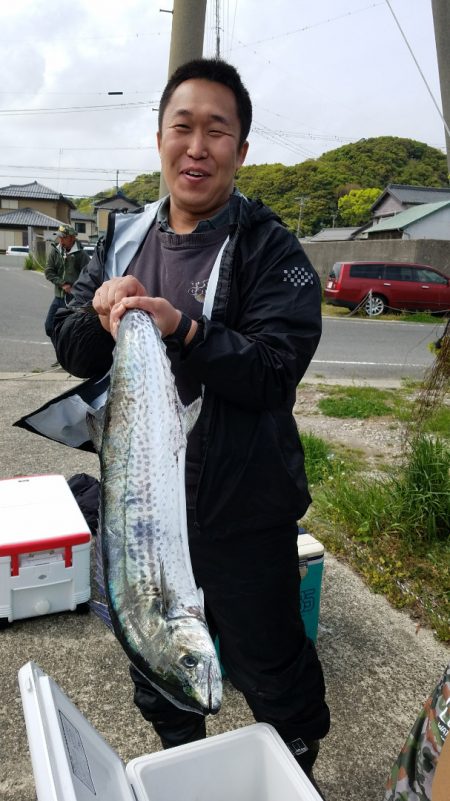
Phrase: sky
pixel 321 74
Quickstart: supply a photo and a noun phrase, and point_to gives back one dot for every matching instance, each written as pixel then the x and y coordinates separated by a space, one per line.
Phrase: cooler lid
pixel 39 509
pixel 71 760
pixel 308 546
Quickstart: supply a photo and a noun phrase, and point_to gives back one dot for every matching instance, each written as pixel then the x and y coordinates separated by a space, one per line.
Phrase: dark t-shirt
pixel 177 267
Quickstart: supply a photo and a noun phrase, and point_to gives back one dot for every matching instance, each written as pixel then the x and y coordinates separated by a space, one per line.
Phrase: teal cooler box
pixel 310 561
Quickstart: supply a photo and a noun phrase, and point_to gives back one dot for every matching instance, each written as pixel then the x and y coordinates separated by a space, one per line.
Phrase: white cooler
pixel 44 548
pixel 72 762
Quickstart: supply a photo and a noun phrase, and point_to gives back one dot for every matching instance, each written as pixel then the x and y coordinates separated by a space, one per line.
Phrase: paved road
pixel 378 667
pixel 351 349
pixel 363 350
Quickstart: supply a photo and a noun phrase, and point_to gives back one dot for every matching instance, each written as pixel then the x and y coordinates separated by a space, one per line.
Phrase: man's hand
pixel 67 287
pixel 164 315
pixel 111 293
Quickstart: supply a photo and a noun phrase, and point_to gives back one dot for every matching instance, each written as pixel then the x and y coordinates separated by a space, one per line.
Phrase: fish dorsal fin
pixel 189 414
pixel 95 422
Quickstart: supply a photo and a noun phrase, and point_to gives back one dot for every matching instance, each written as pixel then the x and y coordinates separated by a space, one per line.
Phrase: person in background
pixel 64 264
pixel 421 771
pixel 238 305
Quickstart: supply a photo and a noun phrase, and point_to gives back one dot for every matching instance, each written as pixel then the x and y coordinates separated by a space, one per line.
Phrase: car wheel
pixel 375 305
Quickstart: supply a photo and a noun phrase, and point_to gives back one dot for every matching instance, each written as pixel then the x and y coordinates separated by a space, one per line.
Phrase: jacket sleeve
pixel 260 358
pixel 82 345
pixel 52 270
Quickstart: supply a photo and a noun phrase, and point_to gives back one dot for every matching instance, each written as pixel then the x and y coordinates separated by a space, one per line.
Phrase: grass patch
pixel 396 529
pixel 323 462
pixel 402 316
pixel 358 402
pixel 364 402
pixel 439 422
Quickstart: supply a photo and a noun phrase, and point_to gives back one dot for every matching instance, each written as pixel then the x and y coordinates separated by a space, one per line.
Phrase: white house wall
pixel 435 226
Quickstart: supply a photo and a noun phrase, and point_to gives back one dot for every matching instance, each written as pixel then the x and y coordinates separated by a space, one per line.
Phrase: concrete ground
pixel 378 667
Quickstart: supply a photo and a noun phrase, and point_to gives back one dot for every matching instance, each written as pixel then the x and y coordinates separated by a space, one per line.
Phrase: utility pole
pixel 441 19
pixel 301 200
pixel 217 28
pixel 186 43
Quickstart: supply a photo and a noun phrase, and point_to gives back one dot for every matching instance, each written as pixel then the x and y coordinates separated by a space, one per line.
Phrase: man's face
pixel 199 147
pixel 67 242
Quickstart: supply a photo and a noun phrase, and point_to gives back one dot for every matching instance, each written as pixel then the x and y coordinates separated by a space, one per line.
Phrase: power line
pixel 74 109
pixel 38 147
pixel 275 138
pixel 66 177
pixel 59 169
pixel 418 67
pixel 307 27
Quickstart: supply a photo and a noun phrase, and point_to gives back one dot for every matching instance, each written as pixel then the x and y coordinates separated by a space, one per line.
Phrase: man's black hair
pixel 211 69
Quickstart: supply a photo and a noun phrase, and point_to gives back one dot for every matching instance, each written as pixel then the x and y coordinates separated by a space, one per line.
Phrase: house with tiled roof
pixel 397 198
pixel 30 211
pixel 424 221
pixel 118 202
pixel 85 225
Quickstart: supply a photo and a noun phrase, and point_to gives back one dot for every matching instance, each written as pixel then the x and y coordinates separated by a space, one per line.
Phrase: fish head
pixel 189 666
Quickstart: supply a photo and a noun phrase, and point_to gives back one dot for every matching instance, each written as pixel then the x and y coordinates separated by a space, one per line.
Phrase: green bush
pixel 32 263
pixel 422 491
pixel 412 503
pixel 318 458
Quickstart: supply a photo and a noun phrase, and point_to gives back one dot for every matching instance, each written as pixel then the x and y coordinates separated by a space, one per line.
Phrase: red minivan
pixel 377 286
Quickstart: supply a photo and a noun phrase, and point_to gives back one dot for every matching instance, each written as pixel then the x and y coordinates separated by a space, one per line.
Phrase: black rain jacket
pixel 264 329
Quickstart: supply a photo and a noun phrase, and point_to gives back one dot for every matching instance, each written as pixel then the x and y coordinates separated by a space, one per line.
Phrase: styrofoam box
pixel 310 560
pixel 72 762
pixel 44 548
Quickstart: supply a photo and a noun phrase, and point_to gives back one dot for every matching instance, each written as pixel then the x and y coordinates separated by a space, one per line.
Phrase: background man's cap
pixel 65 230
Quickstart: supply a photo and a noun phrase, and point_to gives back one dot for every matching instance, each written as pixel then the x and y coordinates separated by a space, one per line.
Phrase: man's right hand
pixel 112 292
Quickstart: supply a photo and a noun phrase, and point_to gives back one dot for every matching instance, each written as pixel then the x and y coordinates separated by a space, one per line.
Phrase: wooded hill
pixel 316 193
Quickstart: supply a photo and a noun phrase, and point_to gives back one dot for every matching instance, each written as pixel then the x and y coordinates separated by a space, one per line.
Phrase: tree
pixel 354 208
pixel 361 165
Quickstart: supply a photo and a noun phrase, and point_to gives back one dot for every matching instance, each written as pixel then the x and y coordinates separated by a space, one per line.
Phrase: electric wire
pixel 419 69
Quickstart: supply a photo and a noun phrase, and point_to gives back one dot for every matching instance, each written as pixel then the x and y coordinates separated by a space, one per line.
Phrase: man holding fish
pixel 237 304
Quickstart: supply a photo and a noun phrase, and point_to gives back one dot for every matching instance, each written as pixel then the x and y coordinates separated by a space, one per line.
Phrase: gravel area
pixel 379 666
pixel 378 440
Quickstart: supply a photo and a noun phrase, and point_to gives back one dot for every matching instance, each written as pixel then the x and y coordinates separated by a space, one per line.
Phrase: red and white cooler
pixel 44 549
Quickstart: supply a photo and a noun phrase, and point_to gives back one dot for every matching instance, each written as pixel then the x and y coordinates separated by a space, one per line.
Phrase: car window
pixel 430 277
pixel 335 270
pixel 398 272
pixel 366 271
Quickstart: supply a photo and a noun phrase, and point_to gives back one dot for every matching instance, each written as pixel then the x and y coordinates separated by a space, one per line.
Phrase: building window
pixel 9 203
pixel 80 227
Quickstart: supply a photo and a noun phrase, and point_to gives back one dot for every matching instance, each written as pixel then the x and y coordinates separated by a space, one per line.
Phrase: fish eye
pixel 189 661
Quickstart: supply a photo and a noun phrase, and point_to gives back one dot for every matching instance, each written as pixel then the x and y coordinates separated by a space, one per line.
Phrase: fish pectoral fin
pixel 166 595
pixel 189 414
pixel 95 423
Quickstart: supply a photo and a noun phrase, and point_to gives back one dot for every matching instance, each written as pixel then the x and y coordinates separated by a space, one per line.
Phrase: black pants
pixel 57 303
pixel 251 586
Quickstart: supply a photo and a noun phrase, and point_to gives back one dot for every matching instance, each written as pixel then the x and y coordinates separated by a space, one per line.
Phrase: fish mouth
pixel 214 704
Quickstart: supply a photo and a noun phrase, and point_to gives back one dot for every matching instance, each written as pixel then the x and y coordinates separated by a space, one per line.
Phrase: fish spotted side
pixel 154 605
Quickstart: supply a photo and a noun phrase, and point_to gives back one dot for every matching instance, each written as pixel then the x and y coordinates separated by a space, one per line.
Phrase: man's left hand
pixel 164 315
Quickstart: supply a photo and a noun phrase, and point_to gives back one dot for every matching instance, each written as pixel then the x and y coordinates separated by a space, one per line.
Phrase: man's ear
pixel 242 154
pixel 158 140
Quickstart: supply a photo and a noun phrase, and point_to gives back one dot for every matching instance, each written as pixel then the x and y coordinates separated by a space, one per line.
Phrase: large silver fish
pixel 155 607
